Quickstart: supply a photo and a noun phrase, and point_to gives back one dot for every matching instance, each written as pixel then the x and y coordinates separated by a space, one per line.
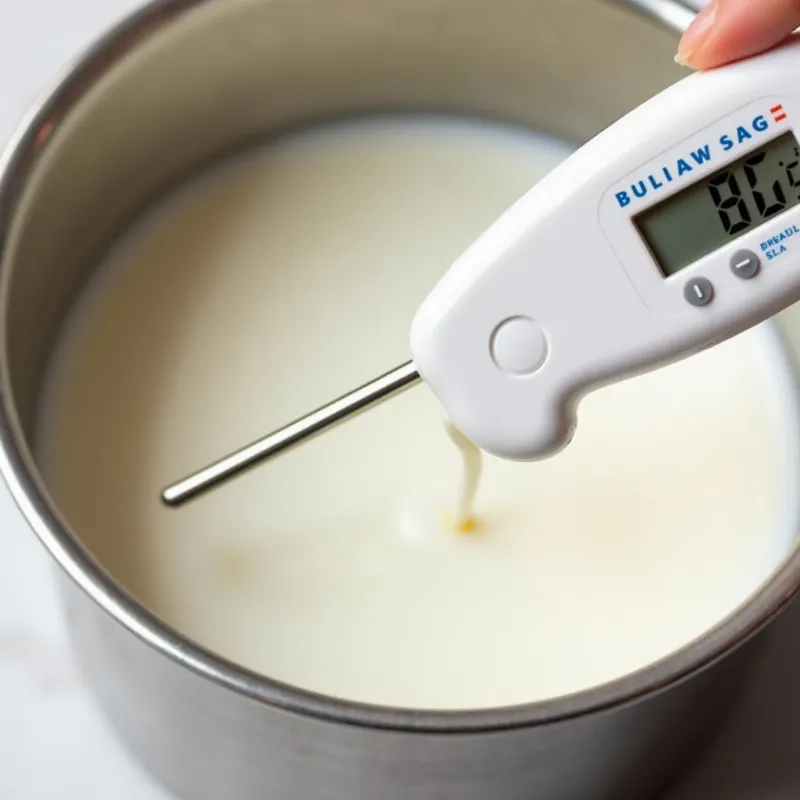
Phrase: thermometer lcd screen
pixel 724 206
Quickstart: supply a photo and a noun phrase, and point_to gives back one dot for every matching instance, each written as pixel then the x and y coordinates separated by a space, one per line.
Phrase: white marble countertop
pixel 53 741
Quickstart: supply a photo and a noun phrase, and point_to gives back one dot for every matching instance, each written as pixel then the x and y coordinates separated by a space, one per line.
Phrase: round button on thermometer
pixel 744 264
pixel 519 346
pixel 699 292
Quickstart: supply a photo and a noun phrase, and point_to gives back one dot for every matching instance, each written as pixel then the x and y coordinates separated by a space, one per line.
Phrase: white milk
pixel 462 518
pixel 291 276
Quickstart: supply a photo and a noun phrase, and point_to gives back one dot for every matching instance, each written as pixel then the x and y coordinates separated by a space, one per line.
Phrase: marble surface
pixel 54 742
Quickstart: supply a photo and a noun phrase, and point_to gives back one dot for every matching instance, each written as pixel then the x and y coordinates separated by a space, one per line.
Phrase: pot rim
pixel 20 474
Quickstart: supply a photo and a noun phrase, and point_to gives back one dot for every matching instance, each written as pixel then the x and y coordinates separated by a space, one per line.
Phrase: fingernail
pixel 696 33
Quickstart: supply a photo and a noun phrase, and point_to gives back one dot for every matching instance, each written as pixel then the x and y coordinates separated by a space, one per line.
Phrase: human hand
pixel 728 30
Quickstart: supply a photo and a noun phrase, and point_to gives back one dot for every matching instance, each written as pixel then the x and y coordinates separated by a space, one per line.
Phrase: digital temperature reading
pixel 720 208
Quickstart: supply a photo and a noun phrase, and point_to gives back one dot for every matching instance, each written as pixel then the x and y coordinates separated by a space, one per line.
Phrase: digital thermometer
pixel 672 230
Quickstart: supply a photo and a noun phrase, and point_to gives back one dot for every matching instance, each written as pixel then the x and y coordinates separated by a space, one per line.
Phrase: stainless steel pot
pixel 182 82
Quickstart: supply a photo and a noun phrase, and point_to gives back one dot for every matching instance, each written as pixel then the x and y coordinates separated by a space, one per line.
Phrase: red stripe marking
pixel 776 109
pixel 780 118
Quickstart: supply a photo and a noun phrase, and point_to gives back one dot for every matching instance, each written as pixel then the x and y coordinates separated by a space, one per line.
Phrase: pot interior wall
pixel 235 71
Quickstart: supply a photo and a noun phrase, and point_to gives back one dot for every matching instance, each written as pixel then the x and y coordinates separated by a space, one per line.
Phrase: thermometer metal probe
pixel 303 429
pixel 672 230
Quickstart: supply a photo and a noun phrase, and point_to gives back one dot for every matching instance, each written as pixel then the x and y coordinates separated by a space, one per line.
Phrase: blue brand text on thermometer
pixel 743 135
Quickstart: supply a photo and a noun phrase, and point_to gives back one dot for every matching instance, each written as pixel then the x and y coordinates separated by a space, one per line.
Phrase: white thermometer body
pixel 675 228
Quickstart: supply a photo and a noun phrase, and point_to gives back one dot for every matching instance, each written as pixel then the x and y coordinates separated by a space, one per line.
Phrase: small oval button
pixel 699 292
pixel 744 264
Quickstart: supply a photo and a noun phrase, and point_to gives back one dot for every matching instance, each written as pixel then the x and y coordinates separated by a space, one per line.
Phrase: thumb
pixel 729 30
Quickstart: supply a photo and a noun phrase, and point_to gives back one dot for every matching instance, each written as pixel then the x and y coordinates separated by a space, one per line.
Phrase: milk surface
pixel 291 275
